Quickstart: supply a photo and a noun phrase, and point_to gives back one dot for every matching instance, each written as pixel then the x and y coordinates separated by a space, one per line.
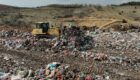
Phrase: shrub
pixel 15 20
pixel 99 8
pixel 124 21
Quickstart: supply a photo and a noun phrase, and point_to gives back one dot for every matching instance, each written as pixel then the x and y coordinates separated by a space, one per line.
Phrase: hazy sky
pixel 34 3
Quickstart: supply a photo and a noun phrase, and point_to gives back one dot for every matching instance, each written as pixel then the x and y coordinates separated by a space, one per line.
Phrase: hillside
pixel 7 7
pixel 14 16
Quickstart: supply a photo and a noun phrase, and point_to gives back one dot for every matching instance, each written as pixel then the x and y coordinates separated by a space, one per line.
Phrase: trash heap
pixel 68 40
pixel 118 40
pixel 76 38
pixel 72 38
pixel 14 33
pixel 88 55
pixel 51 71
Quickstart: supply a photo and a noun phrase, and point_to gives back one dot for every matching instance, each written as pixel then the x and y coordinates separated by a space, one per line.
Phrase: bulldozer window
pixel 44 27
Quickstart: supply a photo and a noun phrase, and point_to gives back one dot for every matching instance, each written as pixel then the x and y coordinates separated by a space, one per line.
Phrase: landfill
pixel 77 54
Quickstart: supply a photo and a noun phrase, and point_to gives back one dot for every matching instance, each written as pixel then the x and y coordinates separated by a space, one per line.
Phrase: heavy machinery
pixel 45 30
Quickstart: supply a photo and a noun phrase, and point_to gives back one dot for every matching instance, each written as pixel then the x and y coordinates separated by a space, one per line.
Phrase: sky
pixel 36 3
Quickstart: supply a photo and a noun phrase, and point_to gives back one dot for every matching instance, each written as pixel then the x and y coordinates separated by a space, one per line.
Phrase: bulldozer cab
pixel 41 28
pixel 45 29
pixel 44 26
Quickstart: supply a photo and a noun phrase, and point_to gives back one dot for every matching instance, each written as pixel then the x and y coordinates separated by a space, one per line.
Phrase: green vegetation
pixel 66 6
pixel 131 4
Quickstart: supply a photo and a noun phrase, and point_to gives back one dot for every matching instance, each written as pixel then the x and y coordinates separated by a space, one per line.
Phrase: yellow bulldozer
pixel 45 30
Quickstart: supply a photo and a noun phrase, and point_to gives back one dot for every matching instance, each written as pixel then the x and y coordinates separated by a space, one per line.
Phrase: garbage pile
pixel 51 71
pixel 88 55
pixel 72 38
pixel 14 33
pixel 69 40
pixel 117 40
pixel 76 38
